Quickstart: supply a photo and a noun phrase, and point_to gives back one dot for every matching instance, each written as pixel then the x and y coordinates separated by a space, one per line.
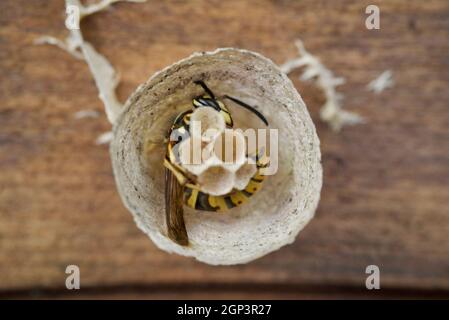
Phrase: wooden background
pixel 386 183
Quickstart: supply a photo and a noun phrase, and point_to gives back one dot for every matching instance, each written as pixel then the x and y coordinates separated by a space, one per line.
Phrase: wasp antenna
pixel 248 107
pixel 203 85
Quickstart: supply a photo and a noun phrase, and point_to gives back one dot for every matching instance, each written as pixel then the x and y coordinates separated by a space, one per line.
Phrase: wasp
pixel 181 188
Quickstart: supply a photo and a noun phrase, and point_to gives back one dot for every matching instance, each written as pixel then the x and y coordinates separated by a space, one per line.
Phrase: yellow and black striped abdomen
pixel 198 200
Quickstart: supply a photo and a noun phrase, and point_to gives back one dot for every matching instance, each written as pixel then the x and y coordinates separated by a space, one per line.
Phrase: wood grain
pixel 386 183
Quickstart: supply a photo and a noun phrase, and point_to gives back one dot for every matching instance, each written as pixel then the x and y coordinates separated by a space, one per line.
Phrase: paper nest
pixel 274 215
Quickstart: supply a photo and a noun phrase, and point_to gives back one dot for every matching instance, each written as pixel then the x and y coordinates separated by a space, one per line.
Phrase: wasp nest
pixel 218 171
pixel 274 215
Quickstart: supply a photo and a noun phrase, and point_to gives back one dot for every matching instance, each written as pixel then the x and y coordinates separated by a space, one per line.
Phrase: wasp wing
pixel 174 212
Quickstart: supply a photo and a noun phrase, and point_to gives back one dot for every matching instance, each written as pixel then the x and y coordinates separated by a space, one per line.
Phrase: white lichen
pixel 106 78
pixel 69 44
pixel 88 113
pixel 382 82
pixel 104 138
pixel 332 111
pixel 99 6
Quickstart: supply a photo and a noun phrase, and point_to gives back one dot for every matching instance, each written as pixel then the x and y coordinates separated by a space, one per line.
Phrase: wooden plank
pixel 223 292
pixel 385 194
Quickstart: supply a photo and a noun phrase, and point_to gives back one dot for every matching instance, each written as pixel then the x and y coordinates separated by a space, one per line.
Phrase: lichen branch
pixel 331 112
pixel 69 44
pixel 382 82
pixel 106 78
pixel 104 138
pixel 87 113
pixel 99 6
